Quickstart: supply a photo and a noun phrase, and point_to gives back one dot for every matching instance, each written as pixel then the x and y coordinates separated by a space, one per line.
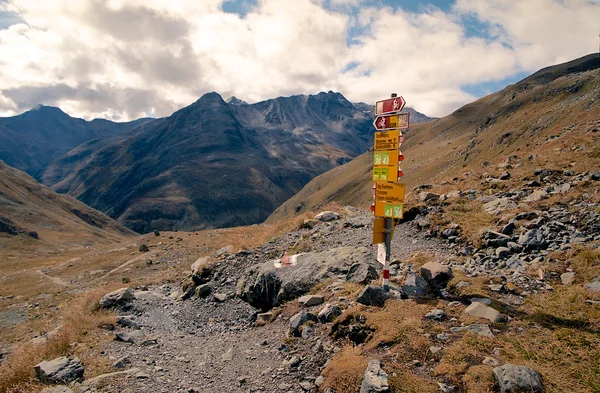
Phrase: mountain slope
pixel 550 115
pixel 34 214
pixel 29 141
pixel 210 164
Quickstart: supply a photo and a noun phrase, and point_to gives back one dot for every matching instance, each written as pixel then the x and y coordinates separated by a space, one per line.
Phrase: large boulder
pixel 361 273
pixel 436 274
pixel 327 216
pixel 375 379
pixel 480 310
pixel 119 298
pixel 512 378
pixel 274 282
pixel 298 320
pixel 59 370
pixel 414 286
pixel 373 296
pixel 533 240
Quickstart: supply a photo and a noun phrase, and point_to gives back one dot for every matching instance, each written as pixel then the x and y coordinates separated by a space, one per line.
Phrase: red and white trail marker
pixel 391 105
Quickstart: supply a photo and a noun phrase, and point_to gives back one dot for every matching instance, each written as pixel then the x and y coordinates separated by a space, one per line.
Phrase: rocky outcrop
pixel 119 298
pixel 274 282
pixel 59 370
pixel 511 378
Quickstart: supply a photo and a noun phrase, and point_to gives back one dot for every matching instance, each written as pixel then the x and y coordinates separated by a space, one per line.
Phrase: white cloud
pixel 127 58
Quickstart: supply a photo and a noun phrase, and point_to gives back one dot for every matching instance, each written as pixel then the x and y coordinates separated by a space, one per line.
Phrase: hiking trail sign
pixel 390 122
pixel 391 105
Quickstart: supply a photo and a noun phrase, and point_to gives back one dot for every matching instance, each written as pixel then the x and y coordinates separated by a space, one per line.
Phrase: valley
pixel 495 267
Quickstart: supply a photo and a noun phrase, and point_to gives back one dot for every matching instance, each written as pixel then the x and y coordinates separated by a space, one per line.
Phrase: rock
pixel 446 388
pixel 426 196
pixel 373 296
pixel 306 386
pixel 221 252
pixel 264 318
pixel 435 349
pixel 309 224
pixel 505 176
pixel 327 216
pixel 310 300
pixel 227 356
pixel 498 206
pixel 156 233
pixel 481 300
pixel 533 183
pixel 562 189
pixel 319 381
pixel 508 229
pixel 130 337
pixel 203 290
pixel 436 274
pixel 144 248
pixel 482 311
pixel 361 273
pixel 436 314
pixel 221 297
pixel 512 378
pixel 490 238
pixel 271 283
pixel 375 379
pixel 480 329
pixel 199 268
pixel 533 240
pixel 535 196
pixel 300 319
pixel 594 286
pixel 503 252
pixel 414 286
pixel 121 363
pixel 490 361
pixel 119 298
pixel 59 370
pixel 329 312
pixel 567 278
pixel 57 389
pixel 514 247
pixel 527 216
pixel 33 234
pixel 127 321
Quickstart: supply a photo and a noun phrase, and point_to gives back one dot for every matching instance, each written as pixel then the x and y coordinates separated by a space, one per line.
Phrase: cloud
pixel 127 58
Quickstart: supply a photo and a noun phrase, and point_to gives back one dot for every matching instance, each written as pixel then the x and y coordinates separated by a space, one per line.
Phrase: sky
pixel 125 59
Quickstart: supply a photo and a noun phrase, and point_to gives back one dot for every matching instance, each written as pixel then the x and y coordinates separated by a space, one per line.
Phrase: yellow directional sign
pixel 386 158
pixel 389 192
pixel 388 140
pixel 389 209
pixel 379 231
pixel 385 173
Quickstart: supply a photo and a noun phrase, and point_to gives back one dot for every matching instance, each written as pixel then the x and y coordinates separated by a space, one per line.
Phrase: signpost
pixel 390 122
pixel 388 195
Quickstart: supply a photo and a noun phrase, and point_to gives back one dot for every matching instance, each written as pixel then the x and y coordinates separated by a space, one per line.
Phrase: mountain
pixel 233 100
pixel 29 141
pixel 213 164
pixel 35 215
pixel 415 116
pixel 555 107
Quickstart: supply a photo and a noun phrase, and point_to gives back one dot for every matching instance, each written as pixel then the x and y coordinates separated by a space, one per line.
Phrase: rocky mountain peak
pixel 233 100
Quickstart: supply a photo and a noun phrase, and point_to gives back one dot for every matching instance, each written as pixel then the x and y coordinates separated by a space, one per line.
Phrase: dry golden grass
pixel 471 218
pixel 80 327
pixel 345 371
pixel 406 382
pixel 419 258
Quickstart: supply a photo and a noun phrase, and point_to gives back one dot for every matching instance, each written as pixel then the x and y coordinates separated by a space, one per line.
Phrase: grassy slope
pixel 517 120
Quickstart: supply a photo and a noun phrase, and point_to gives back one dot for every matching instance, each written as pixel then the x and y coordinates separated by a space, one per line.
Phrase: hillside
pixel 550 116
pixel 213 164
pixel 33 218
pixel 29 141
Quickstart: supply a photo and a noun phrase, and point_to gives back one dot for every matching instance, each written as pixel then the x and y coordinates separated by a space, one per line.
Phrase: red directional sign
pixel 390 105
pixel 390 122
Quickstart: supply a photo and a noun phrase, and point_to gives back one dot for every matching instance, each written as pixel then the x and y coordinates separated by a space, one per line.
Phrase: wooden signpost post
pixel 388 194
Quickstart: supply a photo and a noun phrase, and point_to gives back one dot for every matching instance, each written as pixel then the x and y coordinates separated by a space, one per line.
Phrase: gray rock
pixel 329 312
pixel 221 297
pixel 498 206
pixel 121 363
pixel 436 314
pixel 535 196
pixel 144 248
pixel 223 251
pixel 306 386
pixel 300 319
pixel 567 278
pixel 375 379
pixel 527 216
pixel 481 300
pixel 373 296
pixel 514 247
pixel 119 298
pixel 562 189
pixel 480 329
pixel 327 216
pixel 319 381
pixel 446 388
pixel 271 283
pixel 594 286
pixel 127 321
pixel 512 378
pixel 436 274
pixel 59 370
pixel 533 240
pixel 482 311
pixel 503 252
pixel 493 239
pixel 414 286
pixel 426 196
pixel 130 337
pixel 203 290
pixel 310 300
pixel 361 273
pixel 508 229
pixel 57 389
